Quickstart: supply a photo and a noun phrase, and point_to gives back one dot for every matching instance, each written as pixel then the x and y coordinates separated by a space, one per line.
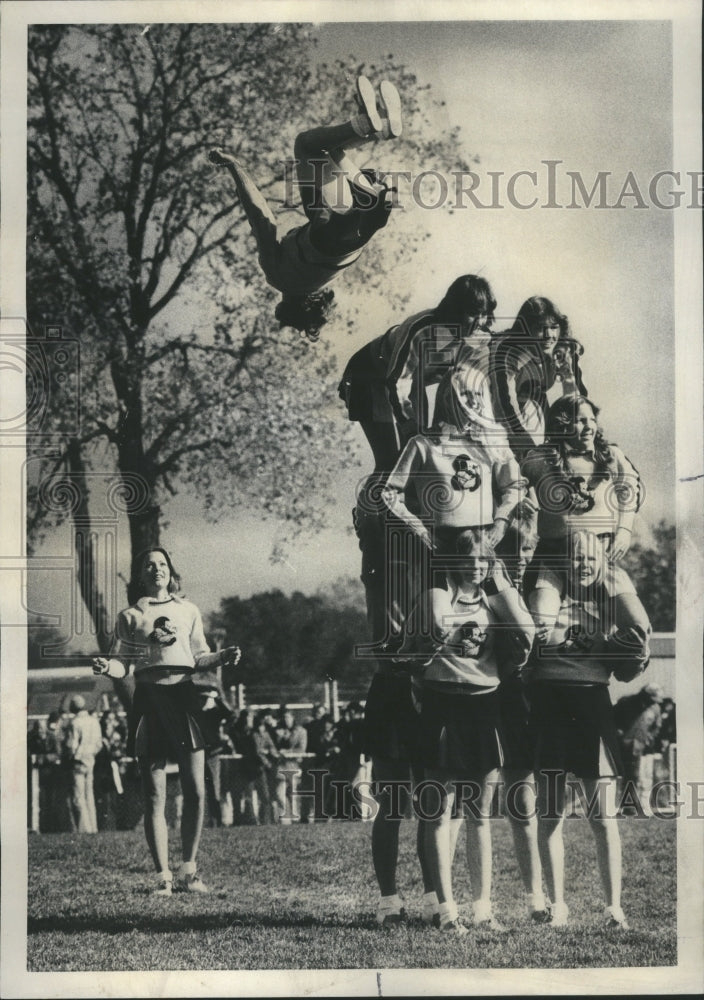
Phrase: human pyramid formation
pixel 491 536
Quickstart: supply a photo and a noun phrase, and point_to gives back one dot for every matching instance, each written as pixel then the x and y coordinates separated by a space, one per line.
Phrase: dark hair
pixel 538 311
pixel 307 313
pixel 467 294
pixel 561 417
pixel 135 588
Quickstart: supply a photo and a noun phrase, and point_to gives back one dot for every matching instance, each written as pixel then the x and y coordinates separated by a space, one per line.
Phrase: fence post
pixel 241 699
pixel 334 700
pixel 327 700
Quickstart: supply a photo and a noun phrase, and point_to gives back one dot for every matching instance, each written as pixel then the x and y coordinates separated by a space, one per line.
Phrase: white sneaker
pixel 367 103
pixel 164 887
pixel 193 883
pixel 559 914
pixel 615 918
pixel 391 107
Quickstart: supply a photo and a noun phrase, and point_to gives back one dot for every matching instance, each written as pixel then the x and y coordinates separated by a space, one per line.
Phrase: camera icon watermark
pixel 41 378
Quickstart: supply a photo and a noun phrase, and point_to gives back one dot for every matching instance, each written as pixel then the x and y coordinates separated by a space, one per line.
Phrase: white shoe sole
pixel 365 90
pixel 391 105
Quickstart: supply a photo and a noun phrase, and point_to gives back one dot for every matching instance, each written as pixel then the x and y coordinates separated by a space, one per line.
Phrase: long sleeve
pixel 394 492
pixel 509 358
pixel 509 488
pixel 202 655
pixel 627 489
pixel 120 660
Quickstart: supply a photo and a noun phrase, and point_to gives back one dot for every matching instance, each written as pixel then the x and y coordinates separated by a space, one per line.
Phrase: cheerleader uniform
pixel 162 643
pixel 571 717
pixel 460 718
pixel 577 494
pixel 449 484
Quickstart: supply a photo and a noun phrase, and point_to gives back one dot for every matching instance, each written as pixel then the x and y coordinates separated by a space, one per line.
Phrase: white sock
pixel 536 902
pixel 164 876
pixel 187 868
pixel 448 911
pixel 482 910
pixel 390 904
pixel 430 903
pixel 616 912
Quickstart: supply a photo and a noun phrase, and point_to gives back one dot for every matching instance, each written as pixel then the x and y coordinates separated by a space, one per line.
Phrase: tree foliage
pixel 138 248
pixel 293 641
pixel 653 572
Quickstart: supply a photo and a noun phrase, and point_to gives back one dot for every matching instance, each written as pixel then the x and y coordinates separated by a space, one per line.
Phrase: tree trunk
pixel 85 545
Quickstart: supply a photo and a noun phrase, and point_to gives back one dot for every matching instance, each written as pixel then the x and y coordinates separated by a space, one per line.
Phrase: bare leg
pixel 524 829
pixel 544 603
pixel 383 438
pixel 608 842
pixel 191 767
pixel 479 846
pixel 155 829
pixel 630 613
pixel 551 815
pixel 439 844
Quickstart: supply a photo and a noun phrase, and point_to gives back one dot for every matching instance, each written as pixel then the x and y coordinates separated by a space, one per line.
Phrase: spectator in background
pixel 314 729
pixel 57 816
pixel 82 742
pixel 215 714
pixel 109 769
pixel 639 737
pixel 291 739
pixel 668 726
pixel 264 763
pixel 243 773
pixel 350 734
pixel 327 759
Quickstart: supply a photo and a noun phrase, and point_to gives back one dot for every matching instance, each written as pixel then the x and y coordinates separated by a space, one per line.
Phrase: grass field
pixel 303 897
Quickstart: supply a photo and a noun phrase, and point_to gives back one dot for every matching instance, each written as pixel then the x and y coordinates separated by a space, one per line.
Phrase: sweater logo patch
pixel 164 633
pixel 582 495
pixel 576 640
pixel 468 475
pixel 472 639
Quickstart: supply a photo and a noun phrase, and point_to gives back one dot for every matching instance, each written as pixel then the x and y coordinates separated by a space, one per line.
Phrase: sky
pixel 595 96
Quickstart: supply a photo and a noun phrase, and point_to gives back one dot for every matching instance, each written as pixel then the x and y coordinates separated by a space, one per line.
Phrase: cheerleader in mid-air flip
pixel 345 205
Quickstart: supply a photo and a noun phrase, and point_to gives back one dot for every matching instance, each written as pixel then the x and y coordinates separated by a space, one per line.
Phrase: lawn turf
pixel 303 897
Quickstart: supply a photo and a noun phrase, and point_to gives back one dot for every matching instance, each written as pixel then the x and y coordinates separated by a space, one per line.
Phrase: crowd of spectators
pixel 262 767
pixel 646 724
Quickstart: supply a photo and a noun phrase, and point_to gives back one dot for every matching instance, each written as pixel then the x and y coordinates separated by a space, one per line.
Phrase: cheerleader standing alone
pixel 160 639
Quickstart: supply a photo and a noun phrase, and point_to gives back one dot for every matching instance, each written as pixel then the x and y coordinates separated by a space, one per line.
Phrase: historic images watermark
pixel 333 798
pixel 546 185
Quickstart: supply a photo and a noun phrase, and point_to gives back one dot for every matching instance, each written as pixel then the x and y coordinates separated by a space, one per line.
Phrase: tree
pixel 652 571
pixel 293 641
pixel 137 247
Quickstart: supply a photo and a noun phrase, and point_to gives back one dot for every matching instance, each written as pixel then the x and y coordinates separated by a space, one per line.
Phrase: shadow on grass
pixel 188 921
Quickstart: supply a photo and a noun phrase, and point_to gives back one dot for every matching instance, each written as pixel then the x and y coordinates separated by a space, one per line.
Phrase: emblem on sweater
pixel 582 499
pixel 164 633
pixel 472 639
pixel 576 640
pixel 468 475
